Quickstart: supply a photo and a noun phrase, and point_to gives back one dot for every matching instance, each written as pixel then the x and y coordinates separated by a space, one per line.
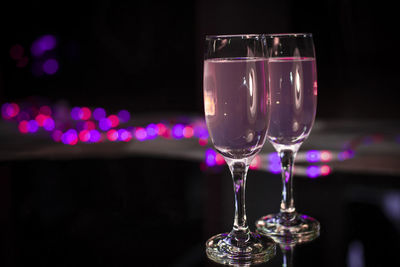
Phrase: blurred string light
pixel 318 159
pixel 271 162
pixel 86 125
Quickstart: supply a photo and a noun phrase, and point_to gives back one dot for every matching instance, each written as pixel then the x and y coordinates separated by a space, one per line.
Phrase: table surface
pixel 160 212
pixel 133 204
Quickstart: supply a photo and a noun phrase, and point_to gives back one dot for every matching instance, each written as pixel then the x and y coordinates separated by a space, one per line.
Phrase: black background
pixel 146 56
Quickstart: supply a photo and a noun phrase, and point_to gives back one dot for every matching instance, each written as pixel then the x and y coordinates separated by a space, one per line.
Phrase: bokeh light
pixel 162 130
pixel 16 52
pixel 313 156
pixel 43 44
pixel 347 154
pixel 99 113
pixel 40 119
pixel 200 130
pixel 23 126
pixel 112 135
pixel 326 156
pixel 124 116
pixel 75 111
pixel 84 135
pixel 274 167
pixel 105 124
pixel 177 131
pixel 50 66
pixel 152 131
pixel 95 136
pixel 70 137
pixel 140 134
pixel 313 171
pixel 325 170
pixel 57 135
pixel 45 110
pixel 188 131
pixel 203 141
pixel 33 126
pixel 84 113
pixel 255 163
pixel 23 115
pixel 219 159
pixel 89 125
pixel 124 135
pixel 114 120
pixel 274 158
pixel 210 157
pixel 9 110
pixel 49 124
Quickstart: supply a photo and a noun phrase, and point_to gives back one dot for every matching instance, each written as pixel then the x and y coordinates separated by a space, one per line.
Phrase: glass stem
pixel 287 203
pixel 240 232
pixel 287 253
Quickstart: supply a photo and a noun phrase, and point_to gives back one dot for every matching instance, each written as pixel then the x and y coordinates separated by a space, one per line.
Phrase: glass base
pixel 298 228
pixel 224 249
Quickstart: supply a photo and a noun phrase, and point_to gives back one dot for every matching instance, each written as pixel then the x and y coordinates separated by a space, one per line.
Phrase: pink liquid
pixel 235 94
pixel 293 99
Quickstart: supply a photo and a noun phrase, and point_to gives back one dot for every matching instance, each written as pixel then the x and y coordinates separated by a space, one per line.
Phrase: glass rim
pixel 224 36
pixel 299 34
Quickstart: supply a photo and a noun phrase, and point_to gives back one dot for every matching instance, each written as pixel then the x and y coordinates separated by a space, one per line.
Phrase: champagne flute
pixel 292 106
pixel 235 96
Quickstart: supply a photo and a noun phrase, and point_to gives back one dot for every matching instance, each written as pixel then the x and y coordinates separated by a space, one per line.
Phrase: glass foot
pixel 224 249
pixel 298 228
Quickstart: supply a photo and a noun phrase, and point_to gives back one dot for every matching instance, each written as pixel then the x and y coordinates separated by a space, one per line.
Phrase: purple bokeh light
pixel 313 171
pixel 347 154
pixel 33 126
pixel 75 111
pixel 43 44
pixel 124 116
pixel 200 131
pixel 99 113
pixel 274 167
pixel 177 131
pixel 70 137
pixel 105 124
pixel 95 136
pixel 124 135
pixel 313 156
pixel 9 110
pixel 152 131
pixel 49 124
pixel 50 66
pixel 274 158
pixel 210 157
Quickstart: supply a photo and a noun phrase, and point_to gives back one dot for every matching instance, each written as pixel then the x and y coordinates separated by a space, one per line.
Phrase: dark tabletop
pixel 153 211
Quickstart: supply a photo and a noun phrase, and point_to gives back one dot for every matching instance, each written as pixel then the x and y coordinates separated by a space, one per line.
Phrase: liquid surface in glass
pixel 235 102
pixel 293 99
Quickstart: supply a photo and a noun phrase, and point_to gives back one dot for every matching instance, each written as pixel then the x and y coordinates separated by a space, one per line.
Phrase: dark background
pixel 146 56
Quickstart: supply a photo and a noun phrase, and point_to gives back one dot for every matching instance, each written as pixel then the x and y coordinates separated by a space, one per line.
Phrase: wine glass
pixel 292 106
pixel 235 96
